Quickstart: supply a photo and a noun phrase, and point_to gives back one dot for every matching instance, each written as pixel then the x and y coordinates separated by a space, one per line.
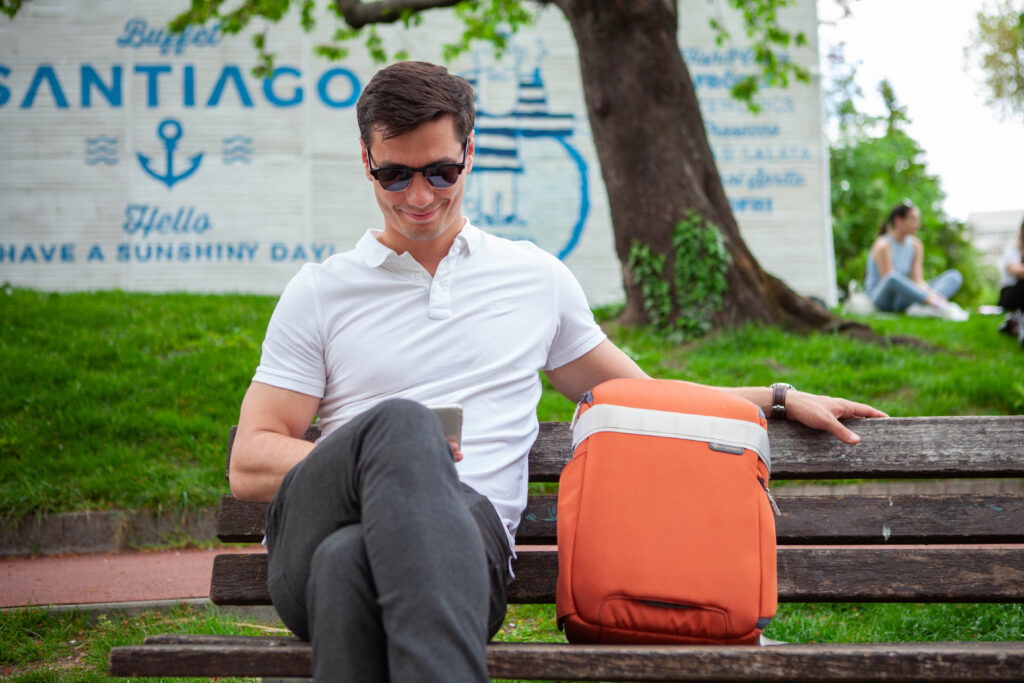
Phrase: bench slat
pixel 818 520
pixel 805 575
pixel 210 660
pixel 904 518
pixel 896 448
pixel 250 656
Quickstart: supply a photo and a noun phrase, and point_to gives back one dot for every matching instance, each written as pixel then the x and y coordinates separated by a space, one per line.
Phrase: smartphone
pixel 451 420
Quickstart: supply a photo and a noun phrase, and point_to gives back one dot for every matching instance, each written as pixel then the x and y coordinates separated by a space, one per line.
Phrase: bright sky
pixel 919 46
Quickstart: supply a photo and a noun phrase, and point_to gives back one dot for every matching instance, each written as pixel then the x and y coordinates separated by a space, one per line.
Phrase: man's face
pixel 420 212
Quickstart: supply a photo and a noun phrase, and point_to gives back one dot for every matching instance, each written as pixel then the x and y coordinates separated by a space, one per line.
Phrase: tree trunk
pixel 655 157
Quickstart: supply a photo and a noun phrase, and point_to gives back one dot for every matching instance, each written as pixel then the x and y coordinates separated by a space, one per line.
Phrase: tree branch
pixel 358 13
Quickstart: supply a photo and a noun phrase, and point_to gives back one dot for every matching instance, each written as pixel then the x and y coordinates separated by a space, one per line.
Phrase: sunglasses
pixel 397 178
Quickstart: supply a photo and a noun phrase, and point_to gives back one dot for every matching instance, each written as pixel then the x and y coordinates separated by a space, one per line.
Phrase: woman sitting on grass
pixel 1011 287
pixel 895 273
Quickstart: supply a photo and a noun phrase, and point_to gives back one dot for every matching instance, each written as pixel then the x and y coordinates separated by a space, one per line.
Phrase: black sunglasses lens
pixel 394 179
pixel 443 175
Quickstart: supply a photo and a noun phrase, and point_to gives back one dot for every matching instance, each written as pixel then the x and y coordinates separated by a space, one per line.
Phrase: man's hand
pixel 824 412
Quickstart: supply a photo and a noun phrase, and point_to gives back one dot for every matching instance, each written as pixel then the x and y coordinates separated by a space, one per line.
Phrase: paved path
pixel 108 577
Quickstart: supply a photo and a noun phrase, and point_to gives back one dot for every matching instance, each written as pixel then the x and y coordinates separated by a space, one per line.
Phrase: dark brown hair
pixel 899 211
pixel 403 96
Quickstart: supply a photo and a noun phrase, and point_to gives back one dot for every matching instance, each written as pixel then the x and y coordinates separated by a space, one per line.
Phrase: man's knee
pixel 341 556
pixel 402 412
pixel 341 552
pixel 393 419
pixel 398 427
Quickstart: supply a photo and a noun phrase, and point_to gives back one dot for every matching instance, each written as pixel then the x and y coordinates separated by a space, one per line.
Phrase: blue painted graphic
pixel 237 149
pixel 170 131
pixel 101 150
pixel 528 181
pixel 139 34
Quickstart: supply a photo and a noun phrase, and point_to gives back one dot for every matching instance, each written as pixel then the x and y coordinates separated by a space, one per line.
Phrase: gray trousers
pixel 380 557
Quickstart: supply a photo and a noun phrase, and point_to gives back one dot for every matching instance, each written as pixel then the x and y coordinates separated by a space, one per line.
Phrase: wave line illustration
pixel 101 149
pixel 237 149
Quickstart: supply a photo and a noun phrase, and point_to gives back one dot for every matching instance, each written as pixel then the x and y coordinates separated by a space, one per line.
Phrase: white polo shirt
pixel 370 324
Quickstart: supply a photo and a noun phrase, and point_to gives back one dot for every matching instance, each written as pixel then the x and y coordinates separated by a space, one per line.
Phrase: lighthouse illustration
pixel 529 181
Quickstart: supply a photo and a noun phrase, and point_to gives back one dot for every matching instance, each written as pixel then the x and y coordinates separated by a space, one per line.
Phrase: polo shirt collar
pixel 371 251
pixel 374 254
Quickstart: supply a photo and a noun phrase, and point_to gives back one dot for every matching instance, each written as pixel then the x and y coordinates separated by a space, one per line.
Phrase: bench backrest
pixel 832 548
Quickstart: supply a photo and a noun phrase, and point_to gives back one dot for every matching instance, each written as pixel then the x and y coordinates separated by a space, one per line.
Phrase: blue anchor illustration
pixel 170 132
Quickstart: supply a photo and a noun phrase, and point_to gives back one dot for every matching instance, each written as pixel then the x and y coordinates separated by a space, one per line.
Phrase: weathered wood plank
pixel 210 660
pixel 805 575
pixel 900 661
pixel 817 520
pixel 251 656
pixel 245 522
pixel 897 447
pixel 896 519
pixel 239 580
pixel 891 448
pixel 241 521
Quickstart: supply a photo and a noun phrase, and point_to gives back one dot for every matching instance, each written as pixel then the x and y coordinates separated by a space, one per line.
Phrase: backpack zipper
pixel 771 499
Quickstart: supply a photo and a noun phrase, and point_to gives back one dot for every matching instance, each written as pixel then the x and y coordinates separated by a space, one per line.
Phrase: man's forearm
pixel 260 460
pixel 759 396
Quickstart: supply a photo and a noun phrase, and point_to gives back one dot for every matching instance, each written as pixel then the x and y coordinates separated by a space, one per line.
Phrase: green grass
pixel 115 400
pixel 971 373
pixel 70 646
pixel 832 623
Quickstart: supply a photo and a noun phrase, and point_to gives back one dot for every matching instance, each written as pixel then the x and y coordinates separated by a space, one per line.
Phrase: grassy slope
pixel 117 400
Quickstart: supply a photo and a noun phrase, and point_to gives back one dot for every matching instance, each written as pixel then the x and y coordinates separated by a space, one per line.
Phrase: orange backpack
pixel 665 525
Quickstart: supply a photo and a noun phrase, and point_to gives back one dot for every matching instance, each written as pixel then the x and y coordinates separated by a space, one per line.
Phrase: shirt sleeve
pixel 577 331
pixel 293 352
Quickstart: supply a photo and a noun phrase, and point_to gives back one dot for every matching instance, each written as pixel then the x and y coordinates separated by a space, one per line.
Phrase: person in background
pixel 1011 286
pixel 895 271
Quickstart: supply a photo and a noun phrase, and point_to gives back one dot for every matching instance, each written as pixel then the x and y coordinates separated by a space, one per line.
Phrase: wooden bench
pixel 833 548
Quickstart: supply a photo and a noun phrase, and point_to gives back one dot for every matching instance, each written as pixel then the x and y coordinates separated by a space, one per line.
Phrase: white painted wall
pixel 265 175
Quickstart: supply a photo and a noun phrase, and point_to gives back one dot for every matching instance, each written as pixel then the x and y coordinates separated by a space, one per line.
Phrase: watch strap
pixel 779 400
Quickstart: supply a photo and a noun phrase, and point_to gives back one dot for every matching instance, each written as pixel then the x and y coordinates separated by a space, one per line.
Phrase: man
pixel 389 547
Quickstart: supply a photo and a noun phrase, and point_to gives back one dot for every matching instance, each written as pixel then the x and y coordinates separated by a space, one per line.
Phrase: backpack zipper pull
pixel 587 398
pixel 771 499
